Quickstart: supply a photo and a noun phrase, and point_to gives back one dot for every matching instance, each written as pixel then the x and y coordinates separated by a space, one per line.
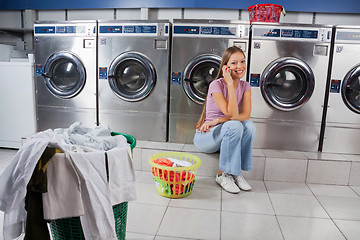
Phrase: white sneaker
pixel 226 181
pixel 241 182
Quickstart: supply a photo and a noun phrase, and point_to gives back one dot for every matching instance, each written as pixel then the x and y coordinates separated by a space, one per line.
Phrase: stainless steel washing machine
pixel 288 74
pixel 65 73
pixel 133 77
pixel 342 129
pixel 197 47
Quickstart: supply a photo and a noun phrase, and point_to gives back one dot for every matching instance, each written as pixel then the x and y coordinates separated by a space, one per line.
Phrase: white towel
pixel 121 175
pixel 98 221
pixel 63 198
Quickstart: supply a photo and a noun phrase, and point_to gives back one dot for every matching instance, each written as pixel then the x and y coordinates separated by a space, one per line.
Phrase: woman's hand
pixel 206 126
pixel 227 75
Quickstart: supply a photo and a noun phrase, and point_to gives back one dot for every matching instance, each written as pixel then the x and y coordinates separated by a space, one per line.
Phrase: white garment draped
pixel 90 196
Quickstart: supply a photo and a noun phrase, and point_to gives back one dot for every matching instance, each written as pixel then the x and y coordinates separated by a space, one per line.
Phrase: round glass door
pixel 287 83
pixel 198 75
pixel 131 76
pixel 64 74
pixel 350 89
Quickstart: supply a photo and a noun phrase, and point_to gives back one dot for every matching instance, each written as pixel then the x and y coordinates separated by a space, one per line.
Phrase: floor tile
pixel 146 193
pixel 284 154
pixel 200 198
pixel 325 156
pixel 145 177
pixel 165 146
pixel 332 190
pixel 205 182
pixel 297 205
pixel 286 170
pixel 351 229
pixel 257 186
pixel 8 151
pixel 341 208
pixel 210 164
pixel 298 228
pixel 144 218
pixel 356 189
pixel 172 238
pixel 138 236
pixel 190 223
pixel 257 152
pixel 258 169
pixel 141 143
pixel 355 158
pixel 287 187
pixel 355 174
pixel 190 148
pixel 247 202
pixel 249 226
pixel 328 172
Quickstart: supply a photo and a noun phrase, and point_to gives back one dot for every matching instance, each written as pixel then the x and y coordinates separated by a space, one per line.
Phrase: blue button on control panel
pixel 335 86
pixel 176 78
pixel 254 80
pixel 38 69
pixel 103 73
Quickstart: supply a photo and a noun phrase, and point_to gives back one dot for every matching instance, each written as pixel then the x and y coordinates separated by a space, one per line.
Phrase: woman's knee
pixel 249 127
pixel 234 127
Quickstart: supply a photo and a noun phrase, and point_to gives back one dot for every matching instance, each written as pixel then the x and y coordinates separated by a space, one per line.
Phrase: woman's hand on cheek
pixel 227 74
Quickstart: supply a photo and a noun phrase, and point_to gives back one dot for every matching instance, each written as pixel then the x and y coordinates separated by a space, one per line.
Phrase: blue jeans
pixel 234 140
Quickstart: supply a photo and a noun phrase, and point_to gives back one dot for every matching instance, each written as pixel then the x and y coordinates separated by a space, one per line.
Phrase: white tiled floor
pixel 272 210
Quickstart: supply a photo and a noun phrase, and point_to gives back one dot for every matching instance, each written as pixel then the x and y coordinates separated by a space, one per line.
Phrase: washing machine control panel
pixel 348 36
pixel 72 30
pixel 151 29
pixel 128 29
pixel 320 34
pixel 207 30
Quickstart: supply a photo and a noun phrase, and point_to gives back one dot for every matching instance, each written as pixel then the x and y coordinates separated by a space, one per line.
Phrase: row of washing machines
pixel 150 78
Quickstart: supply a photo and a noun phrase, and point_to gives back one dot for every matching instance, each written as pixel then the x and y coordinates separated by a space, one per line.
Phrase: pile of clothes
pixel 63 173
pixel 175 179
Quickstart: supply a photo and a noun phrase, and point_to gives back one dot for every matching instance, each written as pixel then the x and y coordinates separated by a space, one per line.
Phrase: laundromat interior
pixel 60 65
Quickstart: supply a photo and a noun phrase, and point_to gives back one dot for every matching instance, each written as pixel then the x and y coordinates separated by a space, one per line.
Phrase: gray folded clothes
pixel 98 138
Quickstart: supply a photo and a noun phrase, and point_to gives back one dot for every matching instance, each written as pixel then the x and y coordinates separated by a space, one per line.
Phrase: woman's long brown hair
pixel 224 60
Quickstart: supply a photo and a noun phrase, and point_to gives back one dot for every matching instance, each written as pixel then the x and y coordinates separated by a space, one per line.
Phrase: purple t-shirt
pixel 219 85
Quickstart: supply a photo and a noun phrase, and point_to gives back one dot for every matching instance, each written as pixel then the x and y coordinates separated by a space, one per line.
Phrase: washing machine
pixel 133 77
pixel 65 73
pixel 288 74
pixel 197 47
pixel 342 129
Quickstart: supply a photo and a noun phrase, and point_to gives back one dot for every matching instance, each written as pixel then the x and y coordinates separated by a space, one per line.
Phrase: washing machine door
pixel 64 74
pixel 287 83
pixel 198 74
pixel 131 76
pixel 350 89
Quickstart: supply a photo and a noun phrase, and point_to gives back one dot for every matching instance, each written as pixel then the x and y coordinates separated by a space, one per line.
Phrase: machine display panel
pixel 209 30
pixel 110 29
pixel 348 36
pixel 46 30
pixel 186 29
pixel 298 33
pixel 139 29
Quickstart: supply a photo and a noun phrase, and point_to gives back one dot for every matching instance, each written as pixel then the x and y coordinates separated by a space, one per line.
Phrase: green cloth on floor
pixel 36 226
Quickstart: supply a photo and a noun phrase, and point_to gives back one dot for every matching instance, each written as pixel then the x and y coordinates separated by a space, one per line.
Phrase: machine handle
pixel 45 75
pixel 112 76
pixel 190 80
pixel 273 84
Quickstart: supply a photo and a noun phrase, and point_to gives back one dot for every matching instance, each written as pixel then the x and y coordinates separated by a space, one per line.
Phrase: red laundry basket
pixel 265 13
